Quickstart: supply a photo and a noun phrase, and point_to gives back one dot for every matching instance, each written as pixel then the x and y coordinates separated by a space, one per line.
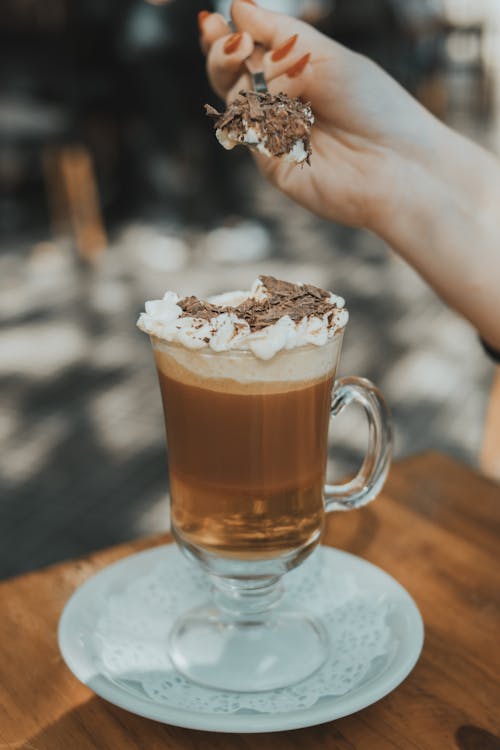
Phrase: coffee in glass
pixel 246 382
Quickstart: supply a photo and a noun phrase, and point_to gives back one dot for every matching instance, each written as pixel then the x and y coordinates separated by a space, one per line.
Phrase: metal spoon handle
pixel 254 63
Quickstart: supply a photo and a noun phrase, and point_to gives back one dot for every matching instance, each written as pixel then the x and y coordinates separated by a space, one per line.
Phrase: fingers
pixel 286 64
pixel 212 26
pixel 287 68
pixel 292 66
pixel 295 80
pixel 290 58
pixel 225 60
pixel 274 29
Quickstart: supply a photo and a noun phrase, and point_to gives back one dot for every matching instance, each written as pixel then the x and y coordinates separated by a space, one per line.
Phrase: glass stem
pixel 246 600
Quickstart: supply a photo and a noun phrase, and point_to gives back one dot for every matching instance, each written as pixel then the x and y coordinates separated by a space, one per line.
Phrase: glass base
pixel 247 655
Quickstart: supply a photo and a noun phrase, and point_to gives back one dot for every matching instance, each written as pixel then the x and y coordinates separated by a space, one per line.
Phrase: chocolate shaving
pixel 211 111
pixel 254 108
pixel 284 298
pixel 197 308
pixel 279 120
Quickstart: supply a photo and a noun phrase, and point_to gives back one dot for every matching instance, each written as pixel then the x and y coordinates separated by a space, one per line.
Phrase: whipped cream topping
pixel 273 125
pixel 253 139
pixel 248 320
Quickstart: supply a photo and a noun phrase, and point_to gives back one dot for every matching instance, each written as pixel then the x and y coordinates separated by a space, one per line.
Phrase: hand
pixel 379 160
pixel 367 127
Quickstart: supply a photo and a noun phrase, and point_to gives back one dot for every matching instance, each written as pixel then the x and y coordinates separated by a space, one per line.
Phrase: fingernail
pixel 281 52
pixel 233 42
pixel 250 2
pixel 297 68
pixel 202 17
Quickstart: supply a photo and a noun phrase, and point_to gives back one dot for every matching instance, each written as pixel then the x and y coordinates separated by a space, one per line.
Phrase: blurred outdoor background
pixel 114 189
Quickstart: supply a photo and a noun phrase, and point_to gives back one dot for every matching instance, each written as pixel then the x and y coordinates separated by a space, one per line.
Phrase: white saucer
pixel 84 611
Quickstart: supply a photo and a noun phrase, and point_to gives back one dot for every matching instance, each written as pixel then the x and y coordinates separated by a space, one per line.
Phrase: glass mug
pixel 247 450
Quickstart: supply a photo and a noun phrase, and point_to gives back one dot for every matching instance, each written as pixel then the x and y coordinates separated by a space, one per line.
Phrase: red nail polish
pixel 233 42
pixel 297 68
pixel 202 17
pixel 281 52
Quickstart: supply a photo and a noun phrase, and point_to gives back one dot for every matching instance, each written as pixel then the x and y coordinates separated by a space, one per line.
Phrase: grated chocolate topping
pixel 280 120
pixel 283 298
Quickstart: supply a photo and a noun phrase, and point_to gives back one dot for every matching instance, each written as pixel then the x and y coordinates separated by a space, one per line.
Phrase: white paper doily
pixel 113 635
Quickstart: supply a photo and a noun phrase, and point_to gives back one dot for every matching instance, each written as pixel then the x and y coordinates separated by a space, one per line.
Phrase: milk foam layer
pixel 165 320
pixel 240 372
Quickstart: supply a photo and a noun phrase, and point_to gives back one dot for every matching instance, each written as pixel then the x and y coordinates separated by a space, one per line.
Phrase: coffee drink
pixel 247 425
pixel 247 382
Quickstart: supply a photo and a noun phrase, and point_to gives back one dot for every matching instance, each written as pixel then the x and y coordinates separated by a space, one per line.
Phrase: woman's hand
pixel 366 124
pixel 379 160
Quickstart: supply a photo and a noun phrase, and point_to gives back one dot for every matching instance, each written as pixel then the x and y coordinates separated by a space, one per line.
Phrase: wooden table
pixel 435 529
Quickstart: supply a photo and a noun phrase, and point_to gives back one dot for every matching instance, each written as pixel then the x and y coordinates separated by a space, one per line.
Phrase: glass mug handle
pixel 370 479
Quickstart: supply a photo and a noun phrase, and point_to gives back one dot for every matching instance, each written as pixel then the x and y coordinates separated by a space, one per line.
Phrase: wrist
pixel 407 192
pixel 467 171
pixel 408 170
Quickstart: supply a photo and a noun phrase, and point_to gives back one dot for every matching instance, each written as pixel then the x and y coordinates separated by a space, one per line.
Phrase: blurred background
pixel 114 189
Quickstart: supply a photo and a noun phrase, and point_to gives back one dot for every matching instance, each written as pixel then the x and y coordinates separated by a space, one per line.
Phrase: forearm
pixel 440 231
